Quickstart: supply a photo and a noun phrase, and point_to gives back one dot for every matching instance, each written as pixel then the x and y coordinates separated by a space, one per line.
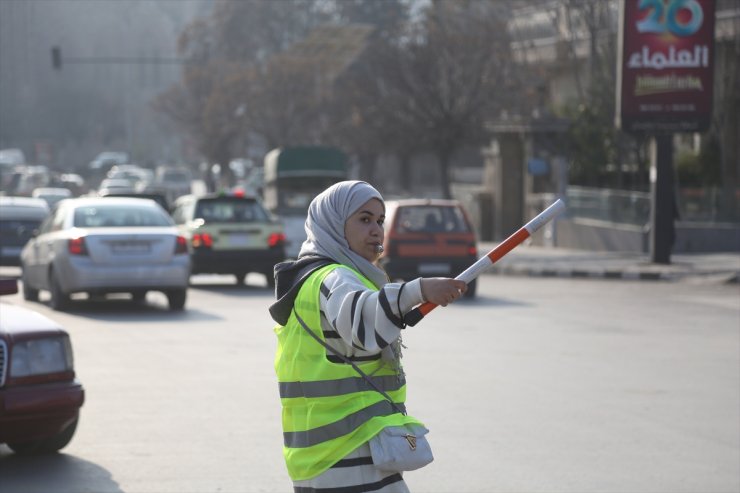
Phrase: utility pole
pixel 663 201
pixel 57 62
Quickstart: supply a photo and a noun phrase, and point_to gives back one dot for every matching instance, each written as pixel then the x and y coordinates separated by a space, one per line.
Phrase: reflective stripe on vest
pixel 299 439
pixel 340 386
pixel 328 409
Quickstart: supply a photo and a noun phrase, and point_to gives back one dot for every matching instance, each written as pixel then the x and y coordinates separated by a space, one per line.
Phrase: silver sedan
pixel 106 245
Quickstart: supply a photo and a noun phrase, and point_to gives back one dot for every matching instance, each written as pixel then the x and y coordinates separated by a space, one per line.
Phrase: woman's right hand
pixel 442 290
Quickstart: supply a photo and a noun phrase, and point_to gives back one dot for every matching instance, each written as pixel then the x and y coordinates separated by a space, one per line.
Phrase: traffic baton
pixel 414 316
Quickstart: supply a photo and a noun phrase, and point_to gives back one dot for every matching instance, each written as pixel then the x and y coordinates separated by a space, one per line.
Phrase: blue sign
pixel 538 167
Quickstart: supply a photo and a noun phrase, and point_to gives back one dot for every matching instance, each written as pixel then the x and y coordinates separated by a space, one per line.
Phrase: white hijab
pixel 327 214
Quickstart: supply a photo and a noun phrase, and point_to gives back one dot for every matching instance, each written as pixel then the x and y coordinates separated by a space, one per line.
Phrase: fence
pixel 692 204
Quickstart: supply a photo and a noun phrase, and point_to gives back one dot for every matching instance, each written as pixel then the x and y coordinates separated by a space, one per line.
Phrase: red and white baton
pixel 483 263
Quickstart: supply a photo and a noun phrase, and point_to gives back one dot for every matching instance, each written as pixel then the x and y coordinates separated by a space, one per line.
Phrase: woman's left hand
pixel 442 290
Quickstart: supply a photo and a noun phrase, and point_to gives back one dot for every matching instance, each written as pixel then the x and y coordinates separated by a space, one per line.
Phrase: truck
pixel 293 176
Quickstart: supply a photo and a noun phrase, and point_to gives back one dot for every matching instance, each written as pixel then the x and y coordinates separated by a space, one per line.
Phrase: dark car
pixel 428 237
pixel 230 234
pixel 19 218
pixel 40 396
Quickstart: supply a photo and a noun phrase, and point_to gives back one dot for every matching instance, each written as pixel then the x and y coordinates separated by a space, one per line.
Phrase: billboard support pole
pixel 663 210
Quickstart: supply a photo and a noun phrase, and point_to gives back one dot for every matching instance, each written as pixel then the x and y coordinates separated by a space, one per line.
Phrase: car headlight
pixel 41 356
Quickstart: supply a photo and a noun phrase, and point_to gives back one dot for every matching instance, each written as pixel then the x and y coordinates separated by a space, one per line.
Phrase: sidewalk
pixel 528 260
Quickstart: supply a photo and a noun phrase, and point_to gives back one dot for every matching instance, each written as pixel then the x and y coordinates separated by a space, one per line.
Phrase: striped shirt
pixel 359 322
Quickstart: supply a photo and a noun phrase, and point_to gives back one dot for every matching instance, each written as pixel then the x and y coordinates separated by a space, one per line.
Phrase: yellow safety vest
pixel 328 408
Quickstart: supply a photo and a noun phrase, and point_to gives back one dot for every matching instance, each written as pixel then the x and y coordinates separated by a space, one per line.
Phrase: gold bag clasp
pixel 412 441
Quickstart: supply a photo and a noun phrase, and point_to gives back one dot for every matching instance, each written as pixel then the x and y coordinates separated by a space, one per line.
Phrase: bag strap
pixel 398 305
pixel 349 362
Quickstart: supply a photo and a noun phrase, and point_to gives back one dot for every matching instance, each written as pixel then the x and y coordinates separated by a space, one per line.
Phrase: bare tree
pixel 280 102
pixel 368 111
pixel 448 76
pixel 362 118
pixel 231 78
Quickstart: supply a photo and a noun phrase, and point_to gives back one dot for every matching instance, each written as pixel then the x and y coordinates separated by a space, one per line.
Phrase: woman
pixel 336 308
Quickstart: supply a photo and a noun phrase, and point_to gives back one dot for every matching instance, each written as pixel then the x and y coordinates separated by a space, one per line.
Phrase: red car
pixel 428 237
pixel 40 397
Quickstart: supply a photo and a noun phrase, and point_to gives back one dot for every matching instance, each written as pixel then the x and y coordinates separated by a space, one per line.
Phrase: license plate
pixel 239 240
pixel 434 268
pixel 131 248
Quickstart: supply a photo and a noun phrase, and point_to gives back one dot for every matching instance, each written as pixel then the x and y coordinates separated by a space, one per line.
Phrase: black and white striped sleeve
pixel 366 320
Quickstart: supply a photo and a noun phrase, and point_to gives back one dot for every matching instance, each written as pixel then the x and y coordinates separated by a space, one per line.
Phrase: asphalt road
pixel 539 385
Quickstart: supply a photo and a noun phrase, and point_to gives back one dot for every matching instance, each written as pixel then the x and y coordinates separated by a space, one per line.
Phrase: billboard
pixel 666 64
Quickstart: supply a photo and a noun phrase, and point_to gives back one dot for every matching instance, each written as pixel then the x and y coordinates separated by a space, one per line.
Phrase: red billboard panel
pixel 666 65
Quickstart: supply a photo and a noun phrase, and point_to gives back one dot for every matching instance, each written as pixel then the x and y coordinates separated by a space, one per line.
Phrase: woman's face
pixel 364 229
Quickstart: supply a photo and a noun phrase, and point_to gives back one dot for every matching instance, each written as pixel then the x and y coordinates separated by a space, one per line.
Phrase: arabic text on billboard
pixel 666 65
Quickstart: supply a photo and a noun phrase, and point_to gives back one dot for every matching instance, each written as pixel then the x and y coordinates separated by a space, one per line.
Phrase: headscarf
pixel 327 214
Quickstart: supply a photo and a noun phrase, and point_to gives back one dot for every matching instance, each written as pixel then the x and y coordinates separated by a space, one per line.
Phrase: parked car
pixel 51 195
pixel 428 237
pixel 230 234
pixel 19 217
pixel 40 396
pixel 101 245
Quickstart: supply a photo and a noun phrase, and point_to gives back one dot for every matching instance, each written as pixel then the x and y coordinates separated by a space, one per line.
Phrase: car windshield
pixel 97 216
pixel 431 219
pixel 230 211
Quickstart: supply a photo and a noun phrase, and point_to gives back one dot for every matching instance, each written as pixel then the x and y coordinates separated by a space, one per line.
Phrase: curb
pixel 615 274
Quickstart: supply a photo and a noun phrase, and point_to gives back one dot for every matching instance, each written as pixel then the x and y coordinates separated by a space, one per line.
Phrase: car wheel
pixel 240 277
pixel 176 299
pixel 472 288
pixel 59 299
pixel 29 294
pixel 47 445
pixel 138 296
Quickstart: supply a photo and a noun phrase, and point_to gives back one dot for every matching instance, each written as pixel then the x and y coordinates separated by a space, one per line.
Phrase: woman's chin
pixel 370 255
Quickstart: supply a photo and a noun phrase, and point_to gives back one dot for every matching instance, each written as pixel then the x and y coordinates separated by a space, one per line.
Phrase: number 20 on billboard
pixel 663 16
